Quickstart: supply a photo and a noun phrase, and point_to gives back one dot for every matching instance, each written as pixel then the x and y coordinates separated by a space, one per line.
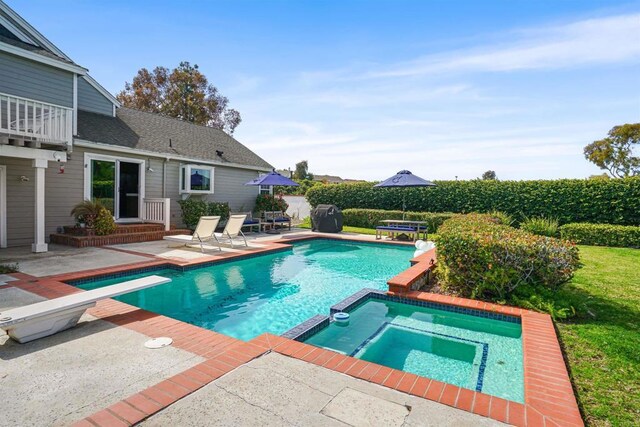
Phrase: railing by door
pixel 157 211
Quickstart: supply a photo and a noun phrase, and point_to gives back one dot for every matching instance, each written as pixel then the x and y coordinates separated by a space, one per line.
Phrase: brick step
pixel 120 229
pixel 113 239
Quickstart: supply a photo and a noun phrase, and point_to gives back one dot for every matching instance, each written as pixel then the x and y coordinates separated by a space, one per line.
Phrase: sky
pixel 362 89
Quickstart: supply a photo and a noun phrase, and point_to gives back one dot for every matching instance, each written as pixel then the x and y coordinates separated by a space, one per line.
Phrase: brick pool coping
pixel 549 398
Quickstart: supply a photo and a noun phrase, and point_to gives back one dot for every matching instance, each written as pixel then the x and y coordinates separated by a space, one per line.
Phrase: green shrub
pixel 480 258
pixel 104 223
pixel 268 203
pixel 503 218
pixel 613 201
pixel 602 234
pixel 87 211
pixel 370 218
pixel 8 268
pixel 194 208
pixel 540 226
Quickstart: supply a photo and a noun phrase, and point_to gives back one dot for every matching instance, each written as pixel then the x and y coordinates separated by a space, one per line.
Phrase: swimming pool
pixel 268 293
pixel 479 353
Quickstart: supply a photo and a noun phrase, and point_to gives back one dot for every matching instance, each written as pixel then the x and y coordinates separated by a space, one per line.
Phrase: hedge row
pixel 481 258
pixel 612 201
pixel 602 234
pixel 370 218
pixel 193 209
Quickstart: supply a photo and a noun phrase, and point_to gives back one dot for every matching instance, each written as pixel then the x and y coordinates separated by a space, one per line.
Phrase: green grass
pixel 306 223
pixel 602 343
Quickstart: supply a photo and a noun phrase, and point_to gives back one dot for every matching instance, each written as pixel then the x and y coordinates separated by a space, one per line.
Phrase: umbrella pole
pixel 273 212
pixel 404 205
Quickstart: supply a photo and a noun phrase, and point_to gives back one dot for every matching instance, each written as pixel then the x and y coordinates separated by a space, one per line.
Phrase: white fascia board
pixel 5 47
pixel 33 153
pixel 109 147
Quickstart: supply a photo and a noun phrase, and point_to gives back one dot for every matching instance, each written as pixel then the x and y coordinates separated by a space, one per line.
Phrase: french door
pixel 118 184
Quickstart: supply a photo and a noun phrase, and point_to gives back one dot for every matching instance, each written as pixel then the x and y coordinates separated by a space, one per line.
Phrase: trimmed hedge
pixel 481 258
pixel 602 234
pixel 610 201
pixel 193 209
pixel 370 218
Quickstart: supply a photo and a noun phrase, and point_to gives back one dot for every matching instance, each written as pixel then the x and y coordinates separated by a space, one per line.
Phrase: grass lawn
pixel 602 344
pixel 306 223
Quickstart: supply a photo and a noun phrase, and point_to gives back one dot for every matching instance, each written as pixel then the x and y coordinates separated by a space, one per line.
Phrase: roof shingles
pixel 152 132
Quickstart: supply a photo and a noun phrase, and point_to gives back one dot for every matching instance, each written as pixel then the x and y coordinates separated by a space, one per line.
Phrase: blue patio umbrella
pixel 403 179
pixel 272 179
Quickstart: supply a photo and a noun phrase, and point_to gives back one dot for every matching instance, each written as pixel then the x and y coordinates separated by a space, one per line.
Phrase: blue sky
pixel 362 89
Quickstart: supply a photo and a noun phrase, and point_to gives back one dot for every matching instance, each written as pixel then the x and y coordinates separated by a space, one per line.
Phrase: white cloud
pixel 594 41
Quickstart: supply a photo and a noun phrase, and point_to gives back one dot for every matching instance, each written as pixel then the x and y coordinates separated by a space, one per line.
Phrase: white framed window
pixel 196 179
pixel 265 189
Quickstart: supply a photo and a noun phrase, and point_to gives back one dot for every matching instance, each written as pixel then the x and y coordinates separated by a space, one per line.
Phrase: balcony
pixel 25 119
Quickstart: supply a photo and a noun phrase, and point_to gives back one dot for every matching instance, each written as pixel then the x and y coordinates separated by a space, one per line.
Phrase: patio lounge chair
pixel 45 318
pixel 232 230
pixel 203 233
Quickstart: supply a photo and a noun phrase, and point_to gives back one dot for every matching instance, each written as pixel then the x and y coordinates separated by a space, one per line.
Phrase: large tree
pixel 489 175
pixel 302 171
pixel 615 153
pixel 183 92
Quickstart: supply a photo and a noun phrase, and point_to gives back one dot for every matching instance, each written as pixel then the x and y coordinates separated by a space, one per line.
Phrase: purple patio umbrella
pixel 272 179
pixel 402 179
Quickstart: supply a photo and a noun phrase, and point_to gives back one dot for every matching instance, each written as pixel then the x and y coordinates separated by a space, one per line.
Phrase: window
pixel 196 179
pixel 265 189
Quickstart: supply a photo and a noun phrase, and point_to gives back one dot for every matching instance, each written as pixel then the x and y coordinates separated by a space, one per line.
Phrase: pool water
pixel 269 293
pixel 473 352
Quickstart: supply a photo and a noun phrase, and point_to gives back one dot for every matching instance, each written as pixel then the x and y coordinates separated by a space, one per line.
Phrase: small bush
pixel 602 234
pixel 268 203
pixel 8 268
pixel 481 258
pixel 87 211
pixel 370 218
pixel 503 218
pixel 104 223
pixel 193 209
pixel 540 226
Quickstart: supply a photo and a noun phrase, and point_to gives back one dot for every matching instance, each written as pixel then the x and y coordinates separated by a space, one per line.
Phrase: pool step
pixel 117 238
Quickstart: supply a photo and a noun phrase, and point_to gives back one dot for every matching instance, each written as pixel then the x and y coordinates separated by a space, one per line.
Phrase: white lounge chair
pixel 45 318
pixel 232 230
pixel 203 233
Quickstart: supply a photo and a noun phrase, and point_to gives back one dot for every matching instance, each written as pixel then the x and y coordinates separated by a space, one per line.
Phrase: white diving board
pixel 45 318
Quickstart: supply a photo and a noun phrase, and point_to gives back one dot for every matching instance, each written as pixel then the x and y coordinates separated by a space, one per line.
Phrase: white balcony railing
pixel 157 211
pixel 38 120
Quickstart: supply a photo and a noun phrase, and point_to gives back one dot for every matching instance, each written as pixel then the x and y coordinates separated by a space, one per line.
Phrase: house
pixel 64 138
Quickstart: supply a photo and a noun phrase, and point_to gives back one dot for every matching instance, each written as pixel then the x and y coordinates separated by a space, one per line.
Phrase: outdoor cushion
pixel 395 228
pixel 251 221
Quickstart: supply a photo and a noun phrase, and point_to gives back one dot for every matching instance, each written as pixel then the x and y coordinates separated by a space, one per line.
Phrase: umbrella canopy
pixel 273 178
pixel 405 178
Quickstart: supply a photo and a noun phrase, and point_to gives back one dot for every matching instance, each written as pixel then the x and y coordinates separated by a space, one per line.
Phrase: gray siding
pixel 29 79
pixel 89 99
pixel 64 190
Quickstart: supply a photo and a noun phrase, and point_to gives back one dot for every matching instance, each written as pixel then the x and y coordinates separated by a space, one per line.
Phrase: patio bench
pixel 45 318
pixel 400 229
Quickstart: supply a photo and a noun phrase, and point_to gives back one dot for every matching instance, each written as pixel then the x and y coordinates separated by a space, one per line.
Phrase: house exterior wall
pixel 64 190
pixel 89 99
pixel 30 79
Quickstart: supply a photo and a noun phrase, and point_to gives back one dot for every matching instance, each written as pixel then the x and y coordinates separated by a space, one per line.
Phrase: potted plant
pixel 86 212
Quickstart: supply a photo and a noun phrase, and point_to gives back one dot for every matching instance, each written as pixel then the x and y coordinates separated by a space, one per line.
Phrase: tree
pixel 184 93
pixel 489 175
pixel 615 153
pixel 302 171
